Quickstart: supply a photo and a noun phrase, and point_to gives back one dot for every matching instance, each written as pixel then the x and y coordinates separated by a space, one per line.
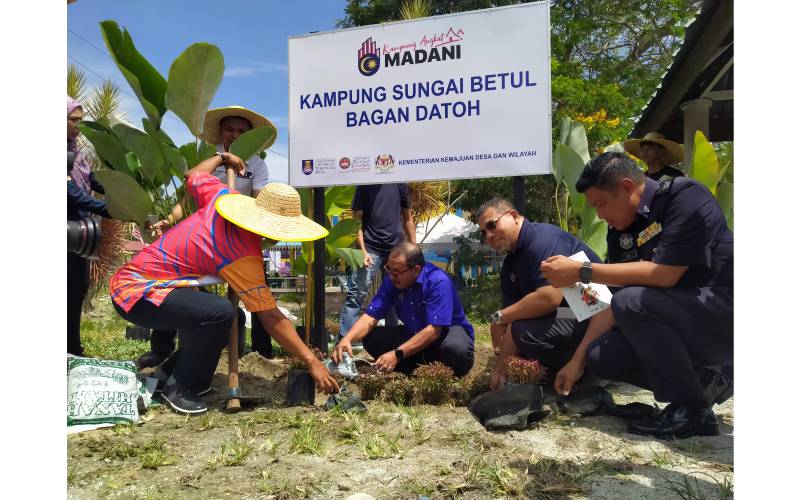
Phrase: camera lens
pixel 83 237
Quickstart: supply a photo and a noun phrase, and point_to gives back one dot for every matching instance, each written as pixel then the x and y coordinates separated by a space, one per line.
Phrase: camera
pixel 83 237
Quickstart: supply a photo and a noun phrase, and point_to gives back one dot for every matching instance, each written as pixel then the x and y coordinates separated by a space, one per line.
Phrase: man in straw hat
pixel 658 153
pixel 220 242
pixel 670 325
pixel 222 126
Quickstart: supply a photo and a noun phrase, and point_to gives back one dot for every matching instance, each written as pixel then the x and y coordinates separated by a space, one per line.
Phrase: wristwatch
pixel 222 156
pixel 585 273
pixel 497 317
pixel 398 353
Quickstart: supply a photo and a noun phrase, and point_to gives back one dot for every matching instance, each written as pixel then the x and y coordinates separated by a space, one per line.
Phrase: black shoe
pixel 182 399
pixel 162 377
pixel 150 359
pixel 720 389
pixel 678 421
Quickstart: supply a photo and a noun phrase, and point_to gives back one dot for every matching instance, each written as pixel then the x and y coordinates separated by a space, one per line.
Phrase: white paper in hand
pixel 586 300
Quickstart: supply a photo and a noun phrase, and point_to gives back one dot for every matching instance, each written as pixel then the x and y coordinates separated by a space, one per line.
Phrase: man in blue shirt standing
pixel 541 324
pixel 670 327
pixel 385 214
pixel 434 328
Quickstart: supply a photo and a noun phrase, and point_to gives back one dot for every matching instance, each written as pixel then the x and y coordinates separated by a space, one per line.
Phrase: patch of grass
pixel 663 459
pixel 208 421
pixel 125 429
pixel 72 474
pixel 103 333
pixel 351 431
pixel 494 475
pixel 233 453
pixel 382 446
pixel 154 454
pixel 307 439
pixel 689 487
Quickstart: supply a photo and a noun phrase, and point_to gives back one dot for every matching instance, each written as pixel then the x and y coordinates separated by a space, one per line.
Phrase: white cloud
pixel 254 68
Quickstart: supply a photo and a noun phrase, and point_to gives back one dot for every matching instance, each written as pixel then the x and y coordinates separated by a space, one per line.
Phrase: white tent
pixel 445 230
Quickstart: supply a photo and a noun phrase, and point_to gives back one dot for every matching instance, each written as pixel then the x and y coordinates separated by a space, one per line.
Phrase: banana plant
pixel 570 156
pixel 341 236
pixel 142 165
pixel 718 178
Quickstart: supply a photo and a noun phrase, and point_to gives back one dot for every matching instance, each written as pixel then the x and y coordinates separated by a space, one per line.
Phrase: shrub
pixel 434 383
pixel 470 387
pixel 399 391
pixel 523 371
pixel 371 382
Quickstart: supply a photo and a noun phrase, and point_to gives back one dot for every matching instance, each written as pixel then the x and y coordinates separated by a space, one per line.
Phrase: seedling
pixel 307 440
pixel 523 371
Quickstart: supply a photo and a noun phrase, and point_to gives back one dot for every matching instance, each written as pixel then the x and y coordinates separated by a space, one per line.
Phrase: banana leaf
pixel 106 145
pixel 338 199
pixel 145 146
pixel 193 80
pixel 705 166
pixel 353 257
pixel 568 165
pixel 725 198
pixel 147 83
pixel 252 142
pixel 193 156
pixel 174 160
pixel 125 199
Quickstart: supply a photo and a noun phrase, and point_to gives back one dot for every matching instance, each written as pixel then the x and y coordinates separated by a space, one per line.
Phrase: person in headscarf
pixel 80 205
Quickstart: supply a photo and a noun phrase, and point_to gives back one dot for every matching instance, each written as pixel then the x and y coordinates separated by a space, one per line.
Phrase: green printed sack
pixel 101 392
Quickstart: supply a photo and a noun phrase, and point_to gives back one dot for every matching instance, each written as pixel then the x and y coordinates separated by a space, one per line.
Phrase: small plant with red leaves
pixel 371 382
pixel 523 371
pixel 434 383
pixel 399 390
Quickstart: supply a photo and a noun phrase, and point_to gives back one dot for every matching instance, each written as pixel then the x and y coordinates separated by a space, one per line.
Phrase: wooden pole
pixel 233 404
pixel 320 334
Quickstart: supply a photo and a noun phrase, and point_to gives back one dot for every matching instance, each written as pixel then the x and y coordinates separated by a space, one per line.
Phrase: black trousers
pixel 163 341
pixel 202 321
pixel 664 338
pixel 77 286
pixel 550 340
pixel 454 348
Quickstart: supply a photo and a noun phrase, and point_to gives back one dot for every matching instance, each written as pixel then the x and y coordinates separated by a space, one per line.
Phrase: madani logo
pixel 344 163
pixel 439 47
pixel 369 58
pixel 308 166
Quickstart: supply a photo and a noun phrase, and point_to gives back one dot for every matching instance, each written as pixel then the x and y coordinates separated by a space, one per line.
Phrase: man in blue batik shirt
pixel 434 327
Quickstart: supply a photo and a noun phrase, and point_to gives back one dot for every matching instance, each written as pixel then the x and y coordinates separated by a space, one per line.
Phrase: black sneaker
pixel 182 399
pixel 150 359
pixel 679 422
pixel 719 389
pixel 162 377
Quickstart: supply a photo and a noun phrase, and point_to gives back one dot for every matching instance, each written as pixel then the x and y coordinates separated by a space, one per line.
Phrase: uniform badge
pixel 649 233
pixel 625 241
pixel 513 277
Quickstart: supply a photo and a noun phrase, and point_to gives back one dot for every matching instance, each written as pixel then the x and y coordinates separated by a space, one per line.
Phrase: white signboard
pixel 449 97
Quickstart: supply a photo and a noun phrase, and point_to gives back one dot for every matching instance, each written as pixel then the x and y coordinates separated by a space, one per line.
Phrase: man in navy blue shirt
pixel 385 214
pixel 541 324
pixel 434 327
pixel 671 252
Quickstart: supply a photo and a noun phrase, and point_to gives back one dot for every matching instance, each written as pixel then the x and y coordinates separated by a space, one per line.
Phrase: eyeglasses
pixel 395 274
pixel 491 224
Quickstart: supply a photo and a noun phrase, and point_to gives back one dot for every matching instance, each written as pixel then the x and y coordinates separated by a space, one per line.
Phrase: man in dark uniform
pixel 671 252
pixel 540 328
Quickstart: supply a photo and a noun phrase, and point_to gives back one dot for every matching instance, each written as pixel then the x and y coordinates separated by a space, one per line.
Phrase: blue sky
pixel 251 34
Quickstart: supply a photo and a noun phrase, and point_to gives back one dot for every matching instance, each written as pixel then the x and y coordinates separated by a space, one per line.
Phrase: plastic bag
pixel 347 368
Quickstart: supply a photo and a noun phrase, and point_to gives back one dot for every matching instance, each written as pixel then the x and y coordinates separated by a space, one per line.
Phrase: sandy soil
pixel 272 451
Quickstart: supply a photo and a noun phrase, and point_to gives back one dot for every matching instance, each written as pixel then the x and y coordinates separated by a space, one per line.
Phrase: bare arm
pixel 562 271
pixel 282 330
pixel 420 340
pixel 409 226
pixel 540 302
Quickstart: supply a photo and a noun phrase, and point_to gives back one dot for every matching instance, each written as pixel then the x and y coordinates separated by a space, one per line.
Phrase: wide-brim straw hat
pixel 211 132
pixel 274 214
pixel 674 151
